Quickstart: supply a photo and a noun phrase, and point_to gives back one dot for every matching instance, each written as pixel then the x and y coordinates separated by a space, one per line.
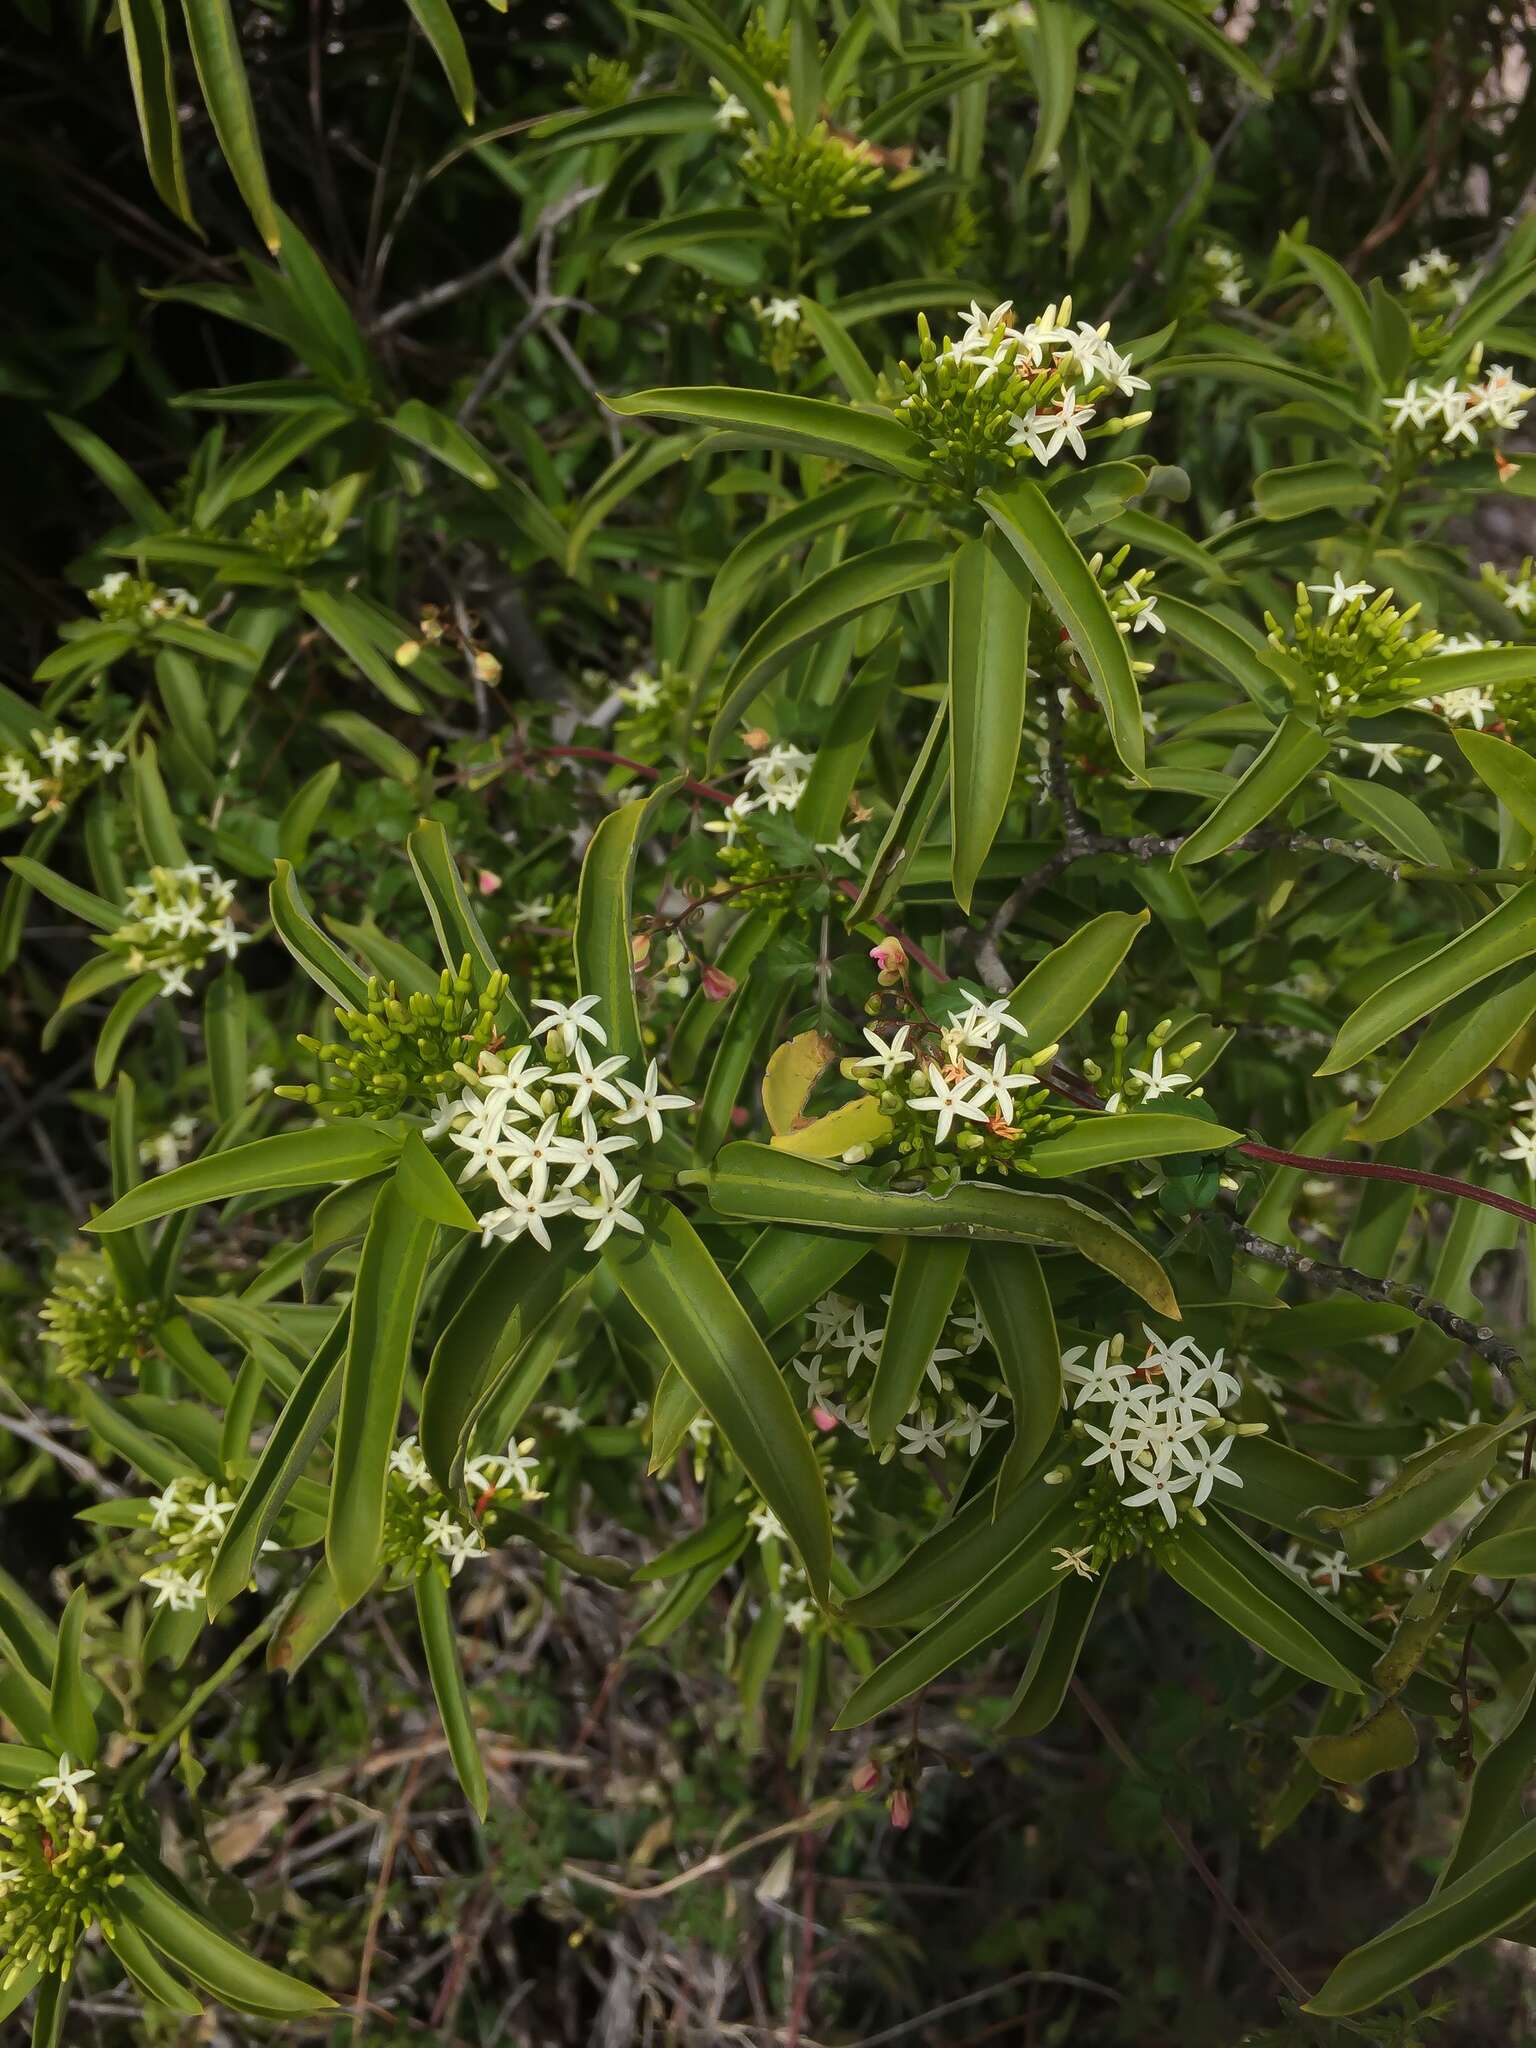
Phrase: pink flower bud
pixel 901 1808
pixel 865 1777
pixel 888 956
pixel 487 883
pixel 822 1419
pixel 716 986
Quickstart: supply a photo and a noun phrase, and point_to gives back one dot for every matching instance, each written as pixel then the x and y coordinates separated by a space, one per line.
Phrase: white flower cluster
pixel 641 693
pixel 838 1364
pixel 1427 269
pixel 1327 1571
pixel 1518 592
pixel 998 24
pixel 175 920
pixel 189 1520
pixel 1522 1134
pixel 1164 1434
pixel 522 1122
pixel 1077 359
pixel 785 1578
pixel 775 782
pixel 40 779
pixel 419 1525
pixel 130 600
pixel 1227 273
pixel 1494 400
pixel 959 1086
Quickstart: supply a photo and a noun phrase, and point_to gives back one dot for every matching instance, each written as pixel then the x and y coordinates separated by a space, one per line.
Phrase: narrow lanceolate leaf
pixel 1346 299
pixel 82 903
pixel 221 73
pixel 425 1186
pixel 910 823
pixel 1394 816
pixel 1491 1895
pixel 1026 519
pixel 1295 750
pixel 384 1306
pixel 603 940
pixel 120 1020
pixel 322 960
pixel 839 594
pixel 803 426
pixel 306 1415
pixel 1056 992
pixel 1053 1658
pixel 317 1157
pixel 984 1609
pixel 223 1967
pixel 1426 1488
pixel 766 1185
pixel 435 18
pixel 1458 1045
pixel 225 1036
pixel 928 1275
pixel 677 1287
pixel 434 1617
pixel 150 1977
pixel 1496 941
pixel 446 442
pixel 1096 1141
pixel 1495 1804
pixel 148 51
pixel 453 916
pixel 989 598
pixel 69 1707
pixel 1015 1306
pixel 1509 771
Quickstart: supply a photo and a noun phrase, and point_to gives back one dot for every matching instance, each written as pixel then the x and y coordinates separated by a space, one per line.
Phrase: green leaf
pixel 1496 1803
pixel 1279 379
pixel 225 1037
pixel 69 1707
pixel 322 960
pixel 303 812
pixel 1059 989
pixel 728 243
pixel 1026 519
pixel 1242 1593
pixel 1384 1741
pixel 423 1184
pixel 768 1186
pixel 1015 1306
pixel 442 438
pixel 1053 67
pixel 1064 1627
pixel 989 599
pixel 1495 1892
pixel 1458 1045
pixel 221 73
pixel 703 1545
pixel 1509 771
pixel 515 1288
pixel 1427 1487
pixel 1258 672
pixel 386 753
pixel 341 618
pixel 803 426
pixel 911 820
pixel 1496 941
pixel 120 1020
pixel 603 939
pixel 435 19
pixel 1312 487
pixel 390 1278
pixel 150 1977
pixel 306 1415
pixel 1347 301
pixel 682 1294
pixel 751 559
pixel 317 1157
pixel 1095 1141
pixel 1293 752
pixel 1282 1487
pixel 928 1276
pixel 274 452
pixel 1501 1543
pixel 1399 821
pixel 827 601
pixel 434 1617
pixel 987 1606
pixel 159 834
pixel 108 466
pixel 223 1967
pixel 841 351
pixel 454 920
pixel 641 461
pixel 68 895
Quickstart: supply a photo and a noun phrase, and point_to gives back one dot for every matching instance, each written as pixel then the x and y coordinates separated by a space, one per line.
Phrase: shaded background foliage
pixel 1390 126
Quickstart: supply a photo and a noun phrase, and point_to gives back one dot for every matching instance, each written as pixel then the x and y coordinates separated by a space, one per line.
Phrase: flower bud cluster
pixel 1362 655
pixel 175 920
pixel 56 768
pixel 292 531
pixel 1133 1087
pixel 600 83
pixel 57 1874
pixel 422 1532
pixel 1474 402
pixel 89 1324
pixel 1002 395
pixel 813 176
pixel 402 1051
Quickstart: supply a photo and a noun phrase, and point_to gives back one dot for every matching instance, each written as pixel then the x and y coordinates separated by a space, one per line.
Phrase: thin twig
pixel 499 266
pixel 380 1893
pixel 1014 1983
pixel 820 1815
pixel 73 1463
pixel 1476 1337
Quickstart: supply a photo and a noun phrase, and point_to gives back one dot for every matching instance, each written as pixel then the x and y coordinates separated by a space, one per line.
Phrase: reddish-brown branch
pixel 1370 1169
